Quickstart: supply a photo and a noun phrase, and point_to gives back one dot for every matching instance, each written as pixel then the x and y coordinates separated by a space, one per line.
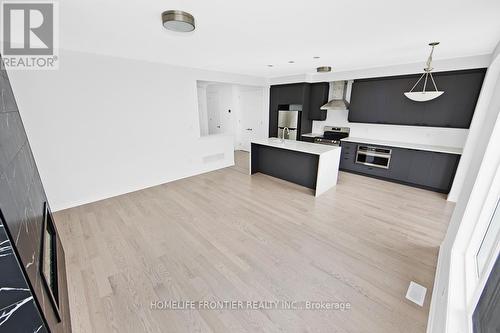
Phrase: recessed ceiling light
pixel 178 20
pixel 291 62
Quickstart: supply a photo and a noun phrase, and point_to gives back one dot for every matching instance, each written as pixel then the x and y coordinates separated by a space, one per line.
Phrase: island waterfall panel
pixel 37 296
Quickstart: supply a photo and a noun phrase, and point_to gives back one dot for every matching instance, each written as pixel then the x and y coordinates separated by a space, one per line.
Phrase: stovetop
pixel 324 141
pixel 332 135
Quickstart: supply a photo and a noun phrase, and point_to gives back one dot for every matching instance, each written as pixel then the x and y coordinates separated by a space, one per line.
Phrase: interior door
pixel 250 122
pixel 213 113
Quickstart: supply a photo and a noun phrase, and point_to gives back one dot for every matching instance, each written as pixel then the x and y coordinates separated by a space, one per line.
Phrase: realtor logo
pixel 29 35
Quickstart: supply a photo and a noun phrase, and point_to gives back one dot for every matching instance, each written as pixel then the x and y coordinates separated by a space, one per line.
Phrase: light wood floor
pixel 229 236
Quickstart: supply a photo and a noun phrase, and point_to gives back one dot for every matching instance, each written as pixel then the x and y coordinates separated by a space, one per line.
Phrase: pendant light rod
pixel 429 60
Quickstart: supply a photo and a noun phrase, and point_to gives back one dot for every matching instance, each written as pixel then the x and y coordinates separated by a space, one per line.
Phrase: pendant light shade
pixel 424 96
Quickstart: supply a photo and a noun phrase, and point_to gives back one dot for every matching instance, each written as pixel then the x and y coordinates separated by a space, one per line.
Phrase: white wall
pixel 102 126
pixel 472 183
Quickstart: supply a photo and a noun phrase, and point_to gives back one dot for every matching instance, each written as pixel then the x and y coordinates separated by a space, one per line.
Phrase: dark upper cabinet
pixel 382 100
pixel 273 110
pixel 286 94
pixel 294 93
pixel 317 98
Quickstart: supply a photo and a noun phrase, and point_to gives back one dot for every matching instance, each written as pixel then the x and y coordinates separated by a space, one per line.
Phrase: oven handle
pixel 374 165
pixel 373 154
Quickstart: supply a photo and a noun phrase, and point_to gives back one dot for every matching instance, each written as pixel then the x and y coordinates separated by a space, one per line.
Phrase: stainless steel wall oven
pixel 373 156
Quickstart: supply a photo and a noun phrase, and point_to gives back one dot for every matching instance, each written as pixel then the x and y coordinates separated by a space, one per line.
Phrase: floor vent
pixel 416 293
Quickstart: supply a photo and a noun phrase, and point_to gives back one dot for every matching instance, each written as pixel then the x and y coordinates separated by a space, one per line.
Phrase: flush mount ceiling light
pixel 424 96
pixel 323 69
pixel 178 20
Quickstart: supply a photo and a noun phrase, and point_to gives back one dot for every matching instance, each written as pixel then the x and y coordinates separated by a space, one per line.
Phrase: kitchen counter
pixel 308 164
pixel 416 146
pixel 305 147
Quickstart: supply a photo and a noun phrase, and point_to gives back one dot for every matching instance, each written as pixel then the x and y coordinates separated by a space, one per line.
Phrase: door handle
pixel 249 129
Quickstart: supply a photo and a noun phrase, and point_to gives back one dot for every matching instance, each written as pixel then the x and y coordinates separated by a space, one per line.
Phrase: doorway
pixel 250 116
pixel 232 109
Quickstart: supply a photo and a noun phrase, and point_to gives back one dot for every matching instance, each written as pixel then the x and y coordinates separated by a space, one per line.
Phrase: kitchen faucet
pixel 283 134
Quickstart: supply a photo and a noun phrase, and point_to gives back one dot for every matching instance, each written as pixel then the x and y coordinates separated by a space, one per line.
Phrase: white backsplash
pixel 438 136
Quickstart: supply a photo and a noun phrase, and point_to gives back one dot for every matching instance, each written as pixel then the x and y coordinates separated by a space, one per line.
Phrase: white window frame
pixel 475 280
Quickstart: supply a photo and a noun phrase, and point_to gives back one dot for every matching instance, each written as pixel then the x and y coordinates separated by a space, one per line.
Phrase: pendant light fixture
pixel 424 96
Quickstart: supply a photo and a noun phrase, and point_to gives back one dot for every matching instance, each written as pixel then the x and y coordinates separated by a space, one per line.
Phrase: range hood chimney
pixel 338 90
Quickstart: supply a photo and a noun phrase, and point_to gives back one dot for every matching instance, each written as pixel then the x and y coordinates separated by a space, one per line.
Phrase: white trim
pixel 455 293
pixel 478 279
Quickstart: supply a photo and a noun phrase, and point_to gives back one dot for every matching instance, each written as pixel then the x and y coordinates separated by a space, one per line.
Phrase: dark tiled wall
pixel 19 311
pixel 22 200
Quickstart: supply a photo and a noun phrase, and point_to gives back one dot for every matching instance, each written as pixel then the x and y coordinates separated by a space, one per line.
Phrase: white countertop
pixel 312 135
pixel 301 146
pixel 417 146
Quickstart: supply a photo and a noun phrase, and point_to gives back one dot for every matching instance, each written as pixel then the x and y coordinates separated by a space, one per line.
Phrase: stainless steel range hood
pixel 338 90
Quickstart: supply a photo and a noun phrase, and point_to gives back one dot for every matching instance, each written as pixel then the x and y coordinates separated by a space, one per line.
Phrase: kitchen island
pixel 308 164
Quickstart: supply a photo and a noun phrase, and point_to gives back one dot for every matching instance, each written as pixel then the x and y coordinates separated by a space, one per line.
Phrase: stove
pixel 332 135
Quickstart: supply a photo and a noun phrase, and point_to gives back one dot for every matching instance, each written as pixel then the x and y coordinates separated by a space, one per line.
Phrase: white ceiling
pixel 244 36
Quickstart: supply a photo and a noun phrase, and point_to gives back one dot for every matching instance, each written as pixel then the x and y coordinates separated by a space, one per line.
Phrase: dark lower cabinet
pixel 433 170
pixel 347 155
pixel 425 169
pixel 307 139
